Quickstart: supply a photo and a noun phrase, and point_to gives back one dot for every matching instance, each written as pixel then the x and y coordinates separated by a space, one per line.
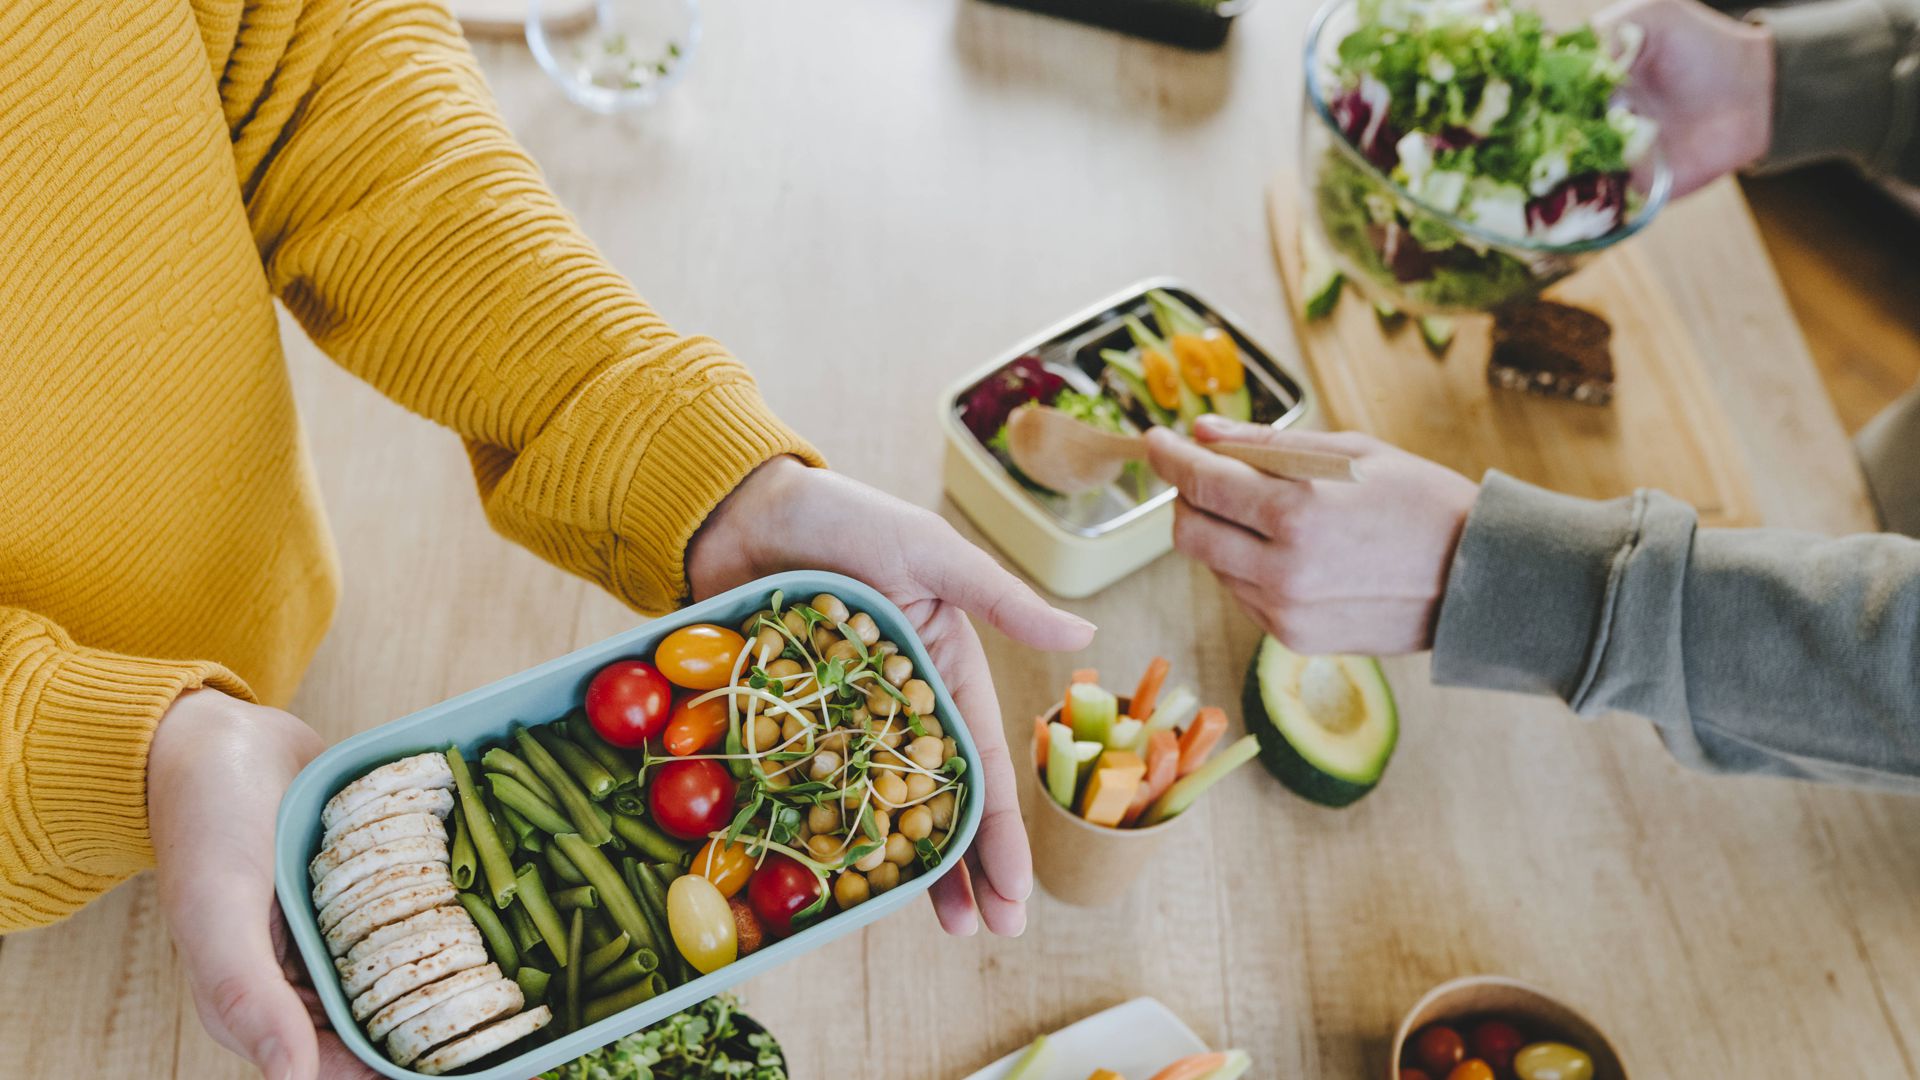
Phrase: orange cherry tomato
pixel 1471 1069
pixel 726 865
pixel 693 728
pixel 1225 361
pixel 699 657
pixel 1196 363
pixel 1163 379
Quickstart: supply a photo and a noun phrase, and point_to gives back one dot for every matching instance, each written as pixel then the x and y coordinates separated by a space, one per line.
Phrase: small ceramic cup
pixel 1075 861
pixel 1478 996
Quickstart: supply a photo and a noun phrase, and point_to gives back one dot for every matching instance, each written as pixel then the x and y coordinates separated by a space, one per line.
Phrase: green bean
pixel 621 1000
pixel 580 896
pixel 579 764
pixel 602 957
pixel 463 861
pixel 580 730
pixel 563 869
pixel 533 985
pixel 580 809
pixel 525 934
pixel 625 972
pixel 499 942
pixel 486 842
pixel 574 934
pixel 504 762
pixel 629 801
pixel 655 909
pixel 614 894
pixel 600 928
pixel 650 841
pixel 526 837
pixel 533 897
pixel 517 797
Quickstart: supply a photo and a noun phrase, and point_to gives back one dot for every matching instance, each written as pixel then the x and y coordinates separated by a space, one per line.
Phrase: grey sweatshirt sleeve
pixel 1846 84
pixel 1750 650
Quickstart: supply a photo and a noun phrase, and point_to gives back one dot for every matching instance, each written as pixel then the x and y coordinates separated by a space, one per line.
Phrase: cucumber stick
pixel 1032 1063
pixel 1175 317
pixel 1191 786
pixel 1091 712
pixel 1063 766
pixel 1126 369
pixel 1319 278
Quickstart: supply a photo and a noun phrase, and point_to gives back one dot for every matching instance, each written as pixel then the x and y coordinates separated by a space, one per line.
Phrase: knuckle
pixel 230 1000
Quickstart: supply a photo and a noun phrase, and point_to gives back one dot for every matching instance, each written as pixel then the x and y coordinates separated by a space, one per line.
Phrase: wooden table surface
pixel 865 199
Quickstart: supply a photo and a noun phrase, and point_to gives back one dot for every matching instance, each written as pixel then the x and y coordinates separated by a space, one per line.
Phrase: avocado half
pixel 1327 724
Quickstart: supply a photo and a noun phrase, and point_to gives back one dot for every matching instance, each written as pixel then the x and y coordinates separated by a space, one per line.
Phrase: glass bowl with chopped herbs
pixel 714 1040
pixel 613 55
pixel 1459 155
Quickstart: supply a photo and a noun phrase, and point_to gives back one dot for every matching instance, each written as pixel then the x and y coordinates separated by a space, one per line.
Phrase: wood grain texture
pixel 1663 429
pixel 864 201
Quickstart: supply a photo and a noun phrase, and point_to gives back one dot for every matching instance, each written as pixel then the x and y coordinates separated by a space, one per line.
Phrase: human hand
pixel 1326 567
pixel 787 516
pixel 215 774
pixel 1705 78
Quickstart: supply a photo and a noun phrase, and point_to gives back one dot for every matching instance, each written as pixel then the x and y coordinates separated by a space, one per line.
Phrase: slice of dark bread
pixel 1555 350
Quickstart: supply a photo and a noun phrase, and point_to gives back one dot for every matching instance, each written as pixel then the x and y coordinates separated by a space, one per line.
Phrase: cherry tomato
pixel 1414 1074
pixel 627 702
pixel 1472 1069
pixel 693 728
pixel 699 657
pixel 1552 1061
pixel 1163 379
pixel 701 923
pixel 779 890
pixel 1495 1042
pixel 726 865
pixel 690 799
pixel 1438 1049
pixel 1225 361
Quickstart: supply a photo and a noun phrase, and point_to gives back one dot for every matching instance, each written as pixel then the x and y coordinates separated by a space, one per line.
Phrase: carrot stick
pixel 1080 675
pixel 1201 736
pixel 1040 742
pixel 1163 768
pixel 1149 690
pixel 1192 1068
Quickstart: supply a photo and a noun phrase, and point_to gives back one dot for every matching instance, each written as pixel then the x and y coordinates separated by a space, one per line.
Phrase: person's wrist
pixel 759 506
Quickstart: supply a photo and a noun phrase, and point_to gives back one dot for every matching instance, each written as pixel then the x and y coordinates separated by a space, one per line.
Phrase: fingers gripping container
pixel 1076 545
pixel 543 693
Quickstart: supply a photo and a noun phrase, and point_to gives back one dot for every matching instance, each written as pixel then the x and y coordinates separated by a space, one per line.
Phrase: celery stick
pixel 1063 765
pixel 1191 786
pixel 1238 1062
pixel 1086 755
pixel 1173 316
pixel 1145 338
pixel 1091 711
pixel 1125 733
pixel 1031 1063
pixel 1176 707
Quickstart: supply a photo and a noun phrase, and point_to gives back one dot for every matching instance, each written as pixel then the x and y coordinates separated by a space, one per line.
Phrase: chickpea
pixel 919 786
pixel 941 806
pixel 894 737
pixel 823 818
pixel 753 622
pixel 883 877
pixel 767 644
pixel 783 672
pixel 851 801
pixel 896 669
pixel 884 648
pixel 872 859
pixel 764 735
pixel 844 651
pixel 823 638
pixel 831 606
pixel 891 760
pixel 780 779
pixel 899 849
pixel 927 752
pixel 881 704
pixel 823 846
pixel 919 696
pixel 850 890
pixel 864 628
pixel 932 726
pixel 889 789
pixel 949 748
pixel 825 764
pixel 795 623
pixel 835 740
pixel 792 728
pixel 908 873
pixel 917 823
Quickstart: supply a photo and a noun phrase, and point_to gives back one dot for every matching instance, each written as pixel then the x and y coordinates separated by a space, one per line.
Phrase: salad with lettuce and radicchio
pixel 1488 119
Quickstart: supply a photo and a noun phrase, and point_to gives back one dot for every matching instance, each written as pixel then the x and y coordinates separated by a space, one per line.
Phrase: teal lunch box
pixel 540 694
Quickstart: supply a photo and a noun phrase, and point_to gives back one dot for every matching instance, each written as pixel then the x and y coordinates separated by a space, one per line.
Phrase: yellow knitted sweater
pixel 167 168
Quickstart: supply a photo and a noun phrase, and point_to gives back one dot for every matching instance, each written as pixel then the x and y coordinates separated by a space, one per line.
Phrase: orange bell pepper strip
pixel 1201 736
pixel 1148 691
pixel 1163 768
pixel 1080 675
pixel 1193 1068
pixel 1041 741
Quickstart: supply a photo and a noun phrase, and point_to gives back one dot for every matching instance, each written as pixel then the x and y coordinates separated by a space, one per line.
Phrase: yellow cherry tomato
pixel 1196 363
pixel 1225 360
pixel 1552 1061
pixel 726 865
pixel 702 923
pixel 699 657
pixel 1163 379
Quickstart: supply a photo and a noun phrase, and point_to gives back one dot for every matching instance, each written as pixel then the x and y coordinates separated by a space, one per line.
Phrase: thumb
pixel 244 1000
pixel 1218 429
pixel 973 581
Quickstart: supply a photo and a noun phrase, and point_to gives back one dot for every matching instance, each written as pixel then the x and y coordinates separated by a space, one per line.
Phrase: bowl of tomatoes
pixel 1489 1027
pixel 703 797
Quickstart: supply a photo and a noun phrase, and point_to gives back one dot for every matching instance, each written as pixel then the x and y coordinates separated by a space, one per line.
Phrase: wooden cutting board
pixel 1664 428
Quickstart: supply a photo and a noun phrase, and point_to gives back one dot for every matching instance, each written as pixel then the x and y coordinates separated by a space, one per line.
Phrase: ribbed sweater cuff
pixel 85 751
pixel 695 459
pixel 1834 82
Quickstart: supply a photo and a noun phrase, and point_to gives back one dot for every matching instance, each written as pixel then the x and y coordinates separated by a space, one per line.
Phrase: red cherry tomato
pixel 1438 1049
pixel 690 799
pixel 627 702
pixel 1495 1042
pixel 1472 1069
pixel 1414 1074
pixel 693 728
pixel 779 890
pixel 699 657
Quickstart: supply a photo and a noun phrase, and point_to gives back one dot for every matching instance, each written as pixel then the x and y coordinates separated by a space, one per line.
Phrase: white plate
pixel 1136 1040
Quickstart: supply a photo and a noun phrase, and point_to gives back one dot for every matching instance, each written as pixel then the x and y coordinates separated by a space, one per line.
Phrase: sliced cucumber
pixel 1437 332
pixel 1235 406
pixel 1327 724
pixel 1388 315
pixel 1319 276
pixel 1127 370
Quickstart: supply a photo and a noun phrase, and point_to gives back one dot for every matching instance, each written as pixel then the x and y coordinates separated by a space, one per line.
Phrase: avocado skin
pixel 1296 773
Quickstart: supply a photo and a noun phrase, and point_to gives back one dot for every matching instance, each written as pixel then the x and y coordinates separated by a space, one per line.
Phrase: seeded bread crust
pixel 1554 350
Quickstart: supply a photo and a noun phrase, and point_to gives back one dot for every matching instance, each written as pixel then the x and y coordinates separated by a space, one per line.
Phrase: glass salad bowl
pixel 1405 251
pixel 613 55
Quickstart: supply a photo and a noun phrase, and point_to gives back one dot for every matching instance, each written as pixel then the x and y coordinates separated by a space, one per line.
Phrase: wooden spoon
pixel 1067 455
